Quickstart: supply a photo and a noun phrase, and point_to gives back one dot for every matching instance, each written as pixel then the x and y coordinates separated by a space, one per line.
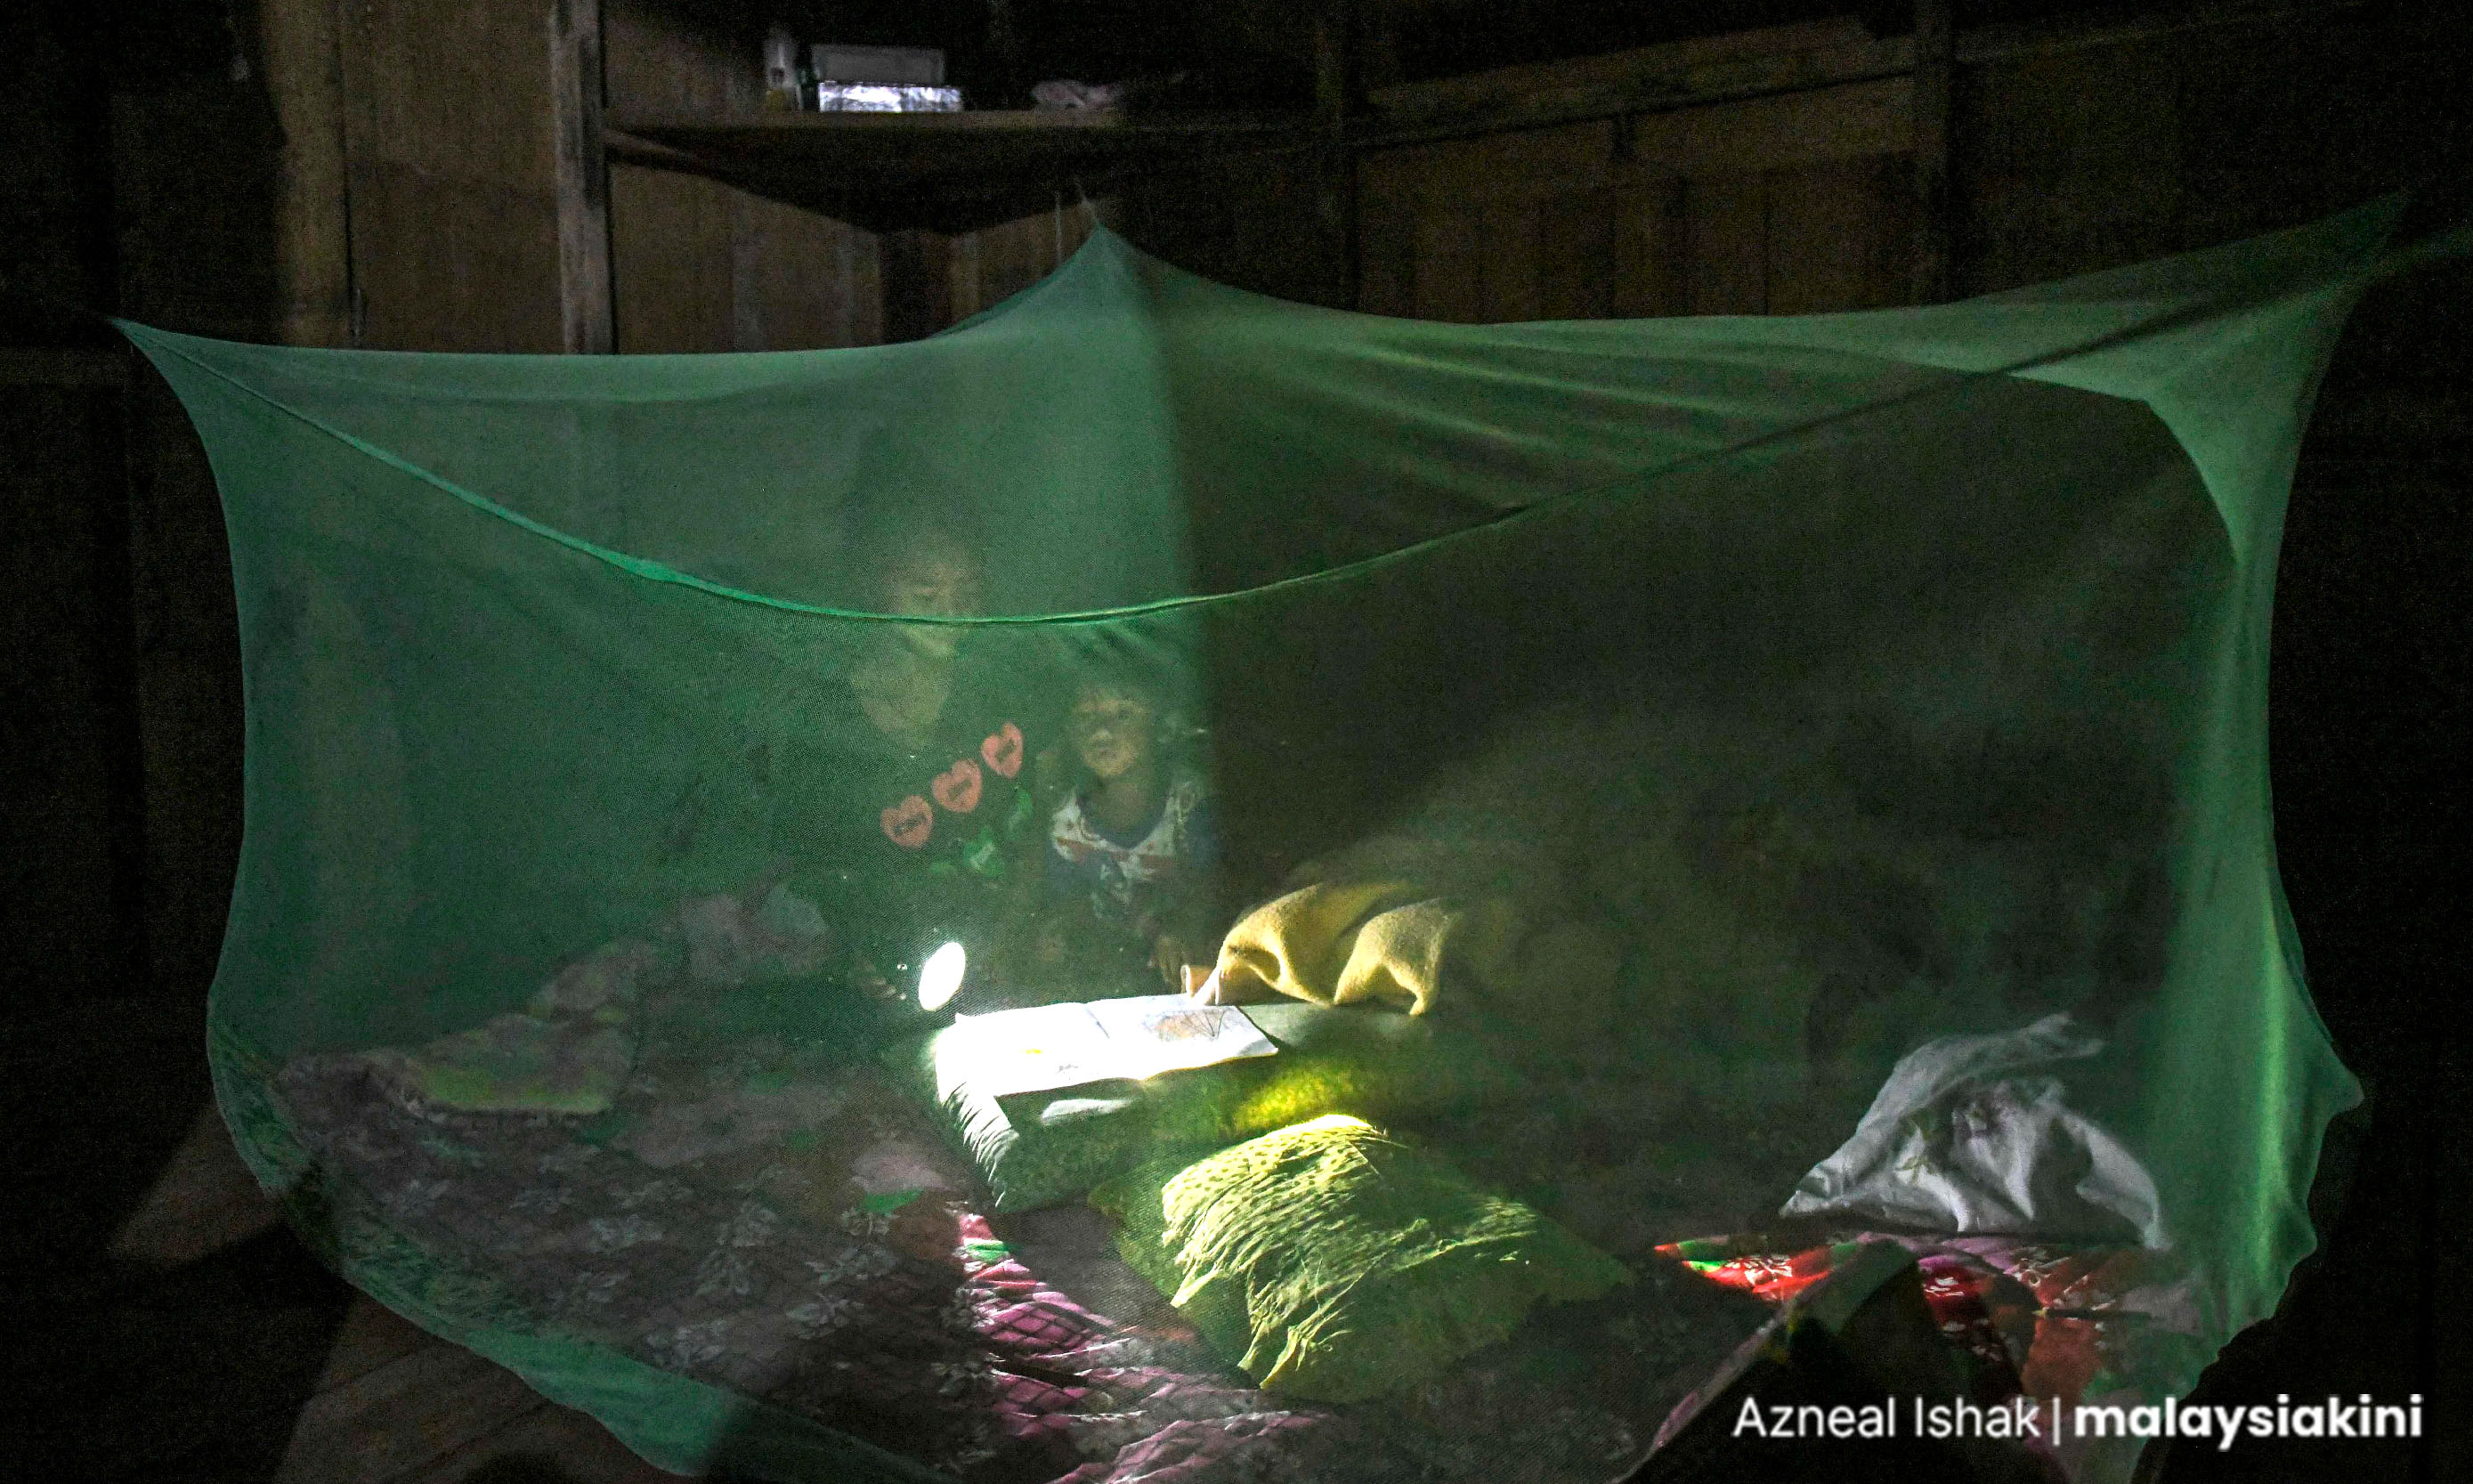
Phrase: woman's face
pixel 1112 732
pixel 932 580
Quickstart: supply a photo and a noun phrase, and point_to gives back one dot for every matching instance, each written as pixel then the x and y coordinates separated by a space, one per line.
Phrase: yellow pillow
pixel 1335 1263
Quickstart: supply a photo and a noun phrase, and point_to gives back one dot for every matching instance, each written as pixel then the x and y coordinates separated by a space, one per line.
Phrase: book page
pixel 1050 1046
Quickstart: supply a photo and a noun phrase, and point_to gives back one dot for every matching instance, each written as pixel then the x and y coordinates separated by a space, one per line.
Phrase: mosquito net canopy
pixel 1167 884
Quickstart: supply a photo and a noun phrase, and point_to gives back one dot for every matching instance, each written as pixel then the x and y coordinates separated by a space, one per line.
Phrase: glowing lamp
pixel 941 977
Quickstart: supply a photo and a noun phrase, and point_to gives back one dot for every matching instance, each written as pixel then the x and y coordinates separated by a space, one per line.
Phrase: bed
pixel 750 1214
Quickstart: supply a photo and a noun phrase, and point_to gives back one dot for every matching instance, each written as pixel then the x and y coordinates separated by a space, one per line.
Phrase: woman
pixel 909 802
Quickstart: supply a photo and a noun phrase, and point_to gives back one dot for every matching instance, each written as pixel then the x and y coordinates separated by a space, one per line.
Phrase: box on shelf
pixel 916 66
pixel 886 97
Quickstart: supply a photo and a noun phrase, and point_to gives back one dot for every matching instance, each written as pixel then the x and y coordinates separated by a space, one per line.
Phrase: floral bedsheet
pixel 799 1233
pixel 740 1211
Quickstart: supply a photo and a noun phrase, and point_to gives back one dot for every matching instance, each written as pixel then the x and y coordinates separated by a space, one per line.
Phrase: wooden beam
pixel 1777 132
pixel 313 249
pixel 949 172
pixel 1681 74
pixel 2027 39
pixel 588 324
pixel 1750 64
pixel 1936 65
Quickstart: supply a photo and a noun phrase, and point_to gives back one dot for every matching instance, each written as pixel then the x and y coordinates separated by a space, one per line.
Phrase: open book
pixel 1050 1046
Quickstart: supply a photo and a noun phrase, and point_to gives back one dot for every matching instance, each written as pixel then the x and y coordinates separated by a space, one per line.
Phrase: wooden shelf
pixel 950 172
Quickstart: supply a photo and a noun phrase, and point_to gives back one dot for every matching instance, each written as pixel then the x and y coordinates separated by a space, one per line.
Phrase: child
pixel 1133 843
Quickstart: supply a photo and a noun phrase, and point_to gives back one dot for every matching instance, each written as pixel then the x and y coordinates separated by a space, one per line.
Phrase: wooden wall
pixel 2069 152
pixel 1264 222
pixel 1790 204
pixel 2073 159
pixel 699 265
pixel 985 268
pixel 417 206
pixel 449 177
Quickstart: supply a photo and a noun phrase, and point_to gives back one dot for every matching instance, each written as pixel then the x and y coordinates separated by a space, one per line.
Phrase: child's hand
pixel 1203 983
pixel 1173 957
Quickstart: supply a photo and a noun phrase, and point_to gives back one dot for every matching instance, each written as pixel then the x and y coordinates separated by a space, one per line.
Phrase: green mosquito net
pixel 1166 884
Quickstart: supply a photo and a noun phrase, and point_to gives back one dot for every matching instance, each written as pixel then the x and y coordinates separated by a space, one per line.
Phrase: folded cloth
pixel 1064 94
pixel 1333 1262
pixel 1975 1133
pixel 1306 945
pixel 1399 942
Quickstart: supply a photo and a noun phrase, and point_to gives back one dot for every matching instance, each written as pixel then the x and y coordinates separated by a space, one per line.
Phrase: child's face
pixel 1112 732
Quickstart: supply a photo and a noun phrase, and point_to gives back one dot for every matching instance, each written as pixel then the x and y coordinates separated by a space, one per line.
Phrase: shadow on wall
pixel 146 187
pixel 140 179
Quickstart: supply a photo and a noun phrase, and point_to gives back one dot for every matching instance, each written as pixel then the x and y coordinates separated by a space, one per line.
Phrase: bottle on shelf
pixel 782 92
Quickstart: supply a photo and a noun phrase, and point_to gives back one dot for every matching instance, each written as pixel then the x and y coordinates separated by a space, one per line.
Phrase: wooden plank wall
pixel 419 194
pixel 1807 200
pixel 304 85
pixel 1252 223
pixel 1790 204
pixel 704 266
pixel 986 267
pixel 419 134
pixel 2180 140
pixel 450 175
pixel 1515 227
pixel 1249 222
pixel 1245 222
pixel 437 114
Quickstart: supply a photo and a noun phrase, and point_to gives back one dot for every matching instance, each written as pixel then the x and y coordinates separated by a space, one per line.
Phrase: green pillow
pixel 1336 1265
pixel 1038 1149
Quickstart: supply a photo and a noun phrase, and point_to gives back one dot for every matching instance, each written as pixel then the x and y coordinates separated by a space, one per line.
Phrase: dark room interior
pixel 603 176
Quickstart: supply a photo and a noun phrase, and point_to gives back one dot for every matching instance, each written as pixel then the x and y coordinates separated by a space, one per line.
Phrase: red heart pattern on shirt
pixel 909 822
pixel 1003 750
pixel 957 787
